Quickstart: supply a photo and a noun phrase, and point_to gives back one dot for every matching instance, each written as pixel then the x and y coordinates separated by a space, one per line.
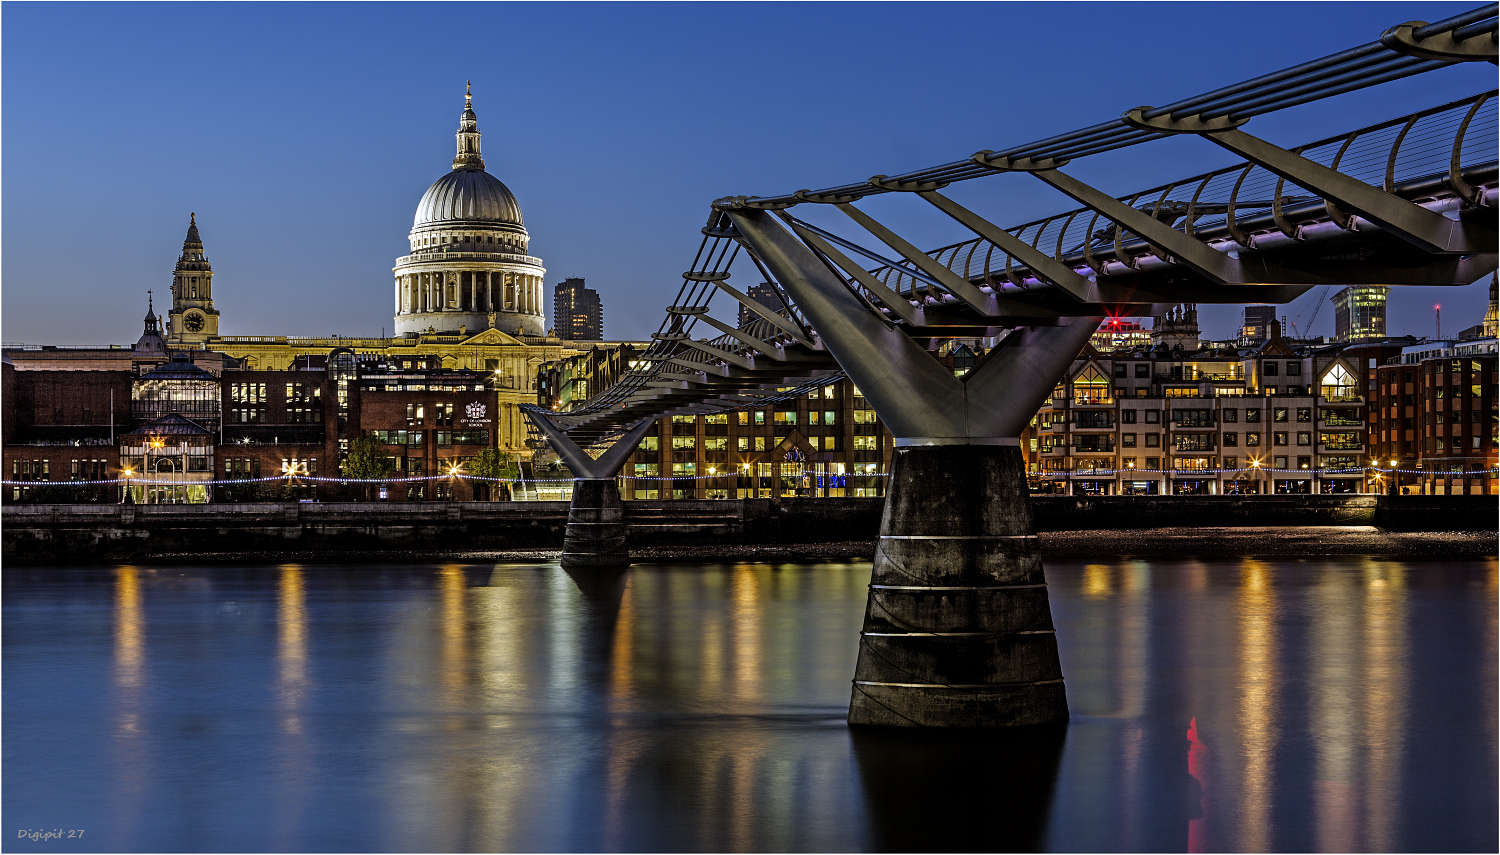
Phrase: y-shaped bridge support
pixel 958 630
pixel 595 535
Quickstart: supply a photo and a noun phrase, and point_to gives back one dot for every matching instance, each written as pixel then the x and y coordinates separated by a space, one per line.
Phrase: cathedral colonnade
pixel 489 289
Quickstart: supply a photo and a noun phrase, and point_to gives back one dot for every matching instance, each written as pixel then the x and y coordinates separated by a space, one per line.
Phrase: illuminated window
pixel 1091 387
pixel 1339 385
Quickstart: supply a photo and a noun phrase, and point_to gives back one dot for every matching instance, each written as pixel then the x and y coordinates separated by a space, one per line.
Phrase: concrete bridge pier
pixel 595 536
pixel 958 631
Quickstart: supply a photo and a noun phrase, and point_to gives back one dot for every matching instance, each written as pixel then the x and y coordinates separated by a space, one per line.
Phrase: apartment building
pixel 1208 422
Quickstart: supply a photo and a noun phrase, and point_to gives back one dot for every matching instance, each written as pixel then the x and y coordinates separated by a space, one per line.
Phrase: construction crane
pixel 1316 306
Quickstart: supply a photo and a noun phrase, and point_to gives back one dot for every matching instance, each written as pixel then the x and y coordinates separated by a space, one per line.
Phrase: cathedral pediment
pixel 493 338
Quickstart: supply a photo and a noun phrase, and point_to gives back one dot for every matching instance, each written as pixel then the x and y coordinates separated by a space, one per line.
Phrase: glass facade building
pixel 1359 313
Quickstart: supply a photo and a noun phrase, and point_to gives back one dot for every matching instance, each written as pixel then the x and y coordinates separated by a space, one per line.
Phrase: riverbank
pixel 1266 542
pixel 735 529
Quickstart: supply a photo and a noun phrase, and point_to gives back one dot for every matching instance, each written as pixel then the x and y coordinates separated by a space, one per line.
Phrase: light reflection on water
pixel 1342 705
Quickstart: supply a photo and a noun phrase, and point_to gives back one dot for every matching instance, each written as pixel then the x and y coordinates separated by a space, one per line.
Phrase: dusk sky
pixel 304 134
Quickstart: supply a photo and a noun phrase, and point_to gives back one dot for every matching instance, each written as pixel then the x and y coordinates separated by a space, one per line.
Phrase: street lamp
pixel 129 499
pixel 292 469
pixel 454 472
pixel 154 442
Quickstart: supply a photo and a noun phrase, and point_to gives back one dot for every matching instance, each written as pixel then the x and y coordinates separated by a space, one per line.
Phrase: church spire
pixel 192 245
pixel 468 135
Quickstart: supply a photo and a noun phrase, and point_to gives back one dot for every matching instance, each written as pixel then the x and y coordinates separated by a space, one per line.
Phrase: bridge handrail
pixel 1206 212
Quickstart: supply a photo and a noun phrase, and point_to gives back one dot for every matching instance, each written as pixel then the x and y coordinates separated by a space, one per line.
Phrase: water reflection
pixel 132 760
pixel 295 768
pixel 1250 706
pixel 960 790
pixel 1259 677
pixel 1385 646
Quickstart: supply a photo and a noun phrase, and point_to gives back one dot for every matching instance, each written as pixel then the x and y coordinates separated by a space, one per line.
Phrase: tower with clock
pixel 193 318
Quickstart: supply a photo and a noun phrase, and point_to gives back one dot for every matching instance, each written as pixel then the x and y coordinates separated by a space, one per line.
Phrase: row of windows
pixel 1476 443
pixel 88 469
pixel 1268 369
pixel 442 412
pixel 249 467
pixel 1198 464
pixel 487 239
pixel 444 438
pixel 760 470
pixel 1340 439
pixel 297 415
pixel 756 443
pixel 1204 418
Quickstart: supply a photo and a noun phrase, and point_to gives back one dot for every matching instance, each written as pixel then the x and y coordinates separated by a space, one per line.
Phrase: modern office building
pixel 577 314
pixel 1255 322
pixel 1359 313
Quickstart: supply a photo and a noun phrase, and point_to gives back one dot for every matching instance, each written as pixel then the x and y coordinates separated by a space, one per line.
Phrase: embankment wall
pixel 116 533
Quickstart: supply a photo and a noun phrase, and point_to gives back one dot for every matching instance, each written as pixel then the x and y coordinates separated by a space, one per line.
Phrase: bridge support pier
pixel 958 631
pixel 595 536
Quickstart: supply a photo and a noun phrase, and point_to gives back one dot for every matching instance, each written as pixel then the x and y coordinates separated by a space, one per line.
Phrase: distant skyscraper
pixel 1255 322
pixel 577 314
pixel 765 295
pixel 1359 312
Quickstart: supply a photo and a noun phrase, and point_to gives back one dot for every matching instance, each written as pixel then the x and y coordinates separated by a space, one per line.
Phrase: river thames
pixel 1344 704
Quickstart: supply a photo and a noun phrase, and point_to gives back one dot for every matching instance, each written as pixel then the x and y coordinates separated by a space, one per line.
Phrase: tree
pixel 367 461
pixel 493 463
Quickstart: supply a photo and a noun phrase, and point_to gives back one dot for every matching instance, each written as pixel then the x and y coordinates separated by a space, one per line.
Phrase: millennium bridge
pixel 958 630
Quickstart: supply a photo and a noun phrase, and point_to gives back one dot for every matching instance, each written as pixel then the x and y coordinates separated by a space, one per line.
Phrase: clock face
pixel 193 322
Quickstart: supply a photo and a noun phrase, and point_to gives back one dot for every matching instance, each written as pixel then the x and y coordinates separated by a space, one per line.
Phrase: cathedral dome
pixel 465 196
pixel 468 268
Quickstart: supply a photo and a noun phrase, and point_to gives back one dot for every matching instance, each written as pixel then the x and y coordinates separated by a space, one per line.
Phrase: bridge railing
pixel 1450 148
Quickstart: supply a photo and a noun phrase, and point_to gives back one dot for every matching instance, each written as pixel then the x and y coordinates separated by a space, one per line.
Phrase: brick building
pixel 1434 418
pixel 178 433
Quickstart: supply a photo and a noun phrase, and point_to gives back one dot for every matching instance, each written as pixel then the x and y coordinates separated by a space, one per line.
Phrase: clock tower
pixel 193 318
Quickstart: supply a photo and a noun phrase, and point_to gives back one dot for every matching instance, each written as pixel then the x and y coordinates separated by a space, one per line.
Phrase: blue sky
pixel 304 134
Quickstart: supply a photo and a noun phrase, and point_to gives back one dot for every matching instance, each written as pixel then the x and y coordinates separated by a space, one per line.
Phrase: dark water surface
pixel 1320 705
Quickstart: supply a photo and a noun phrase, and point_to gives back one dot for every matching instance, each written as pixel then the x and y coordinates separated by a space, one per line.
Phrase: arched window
pixel 1091 387
pixel 1339 385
